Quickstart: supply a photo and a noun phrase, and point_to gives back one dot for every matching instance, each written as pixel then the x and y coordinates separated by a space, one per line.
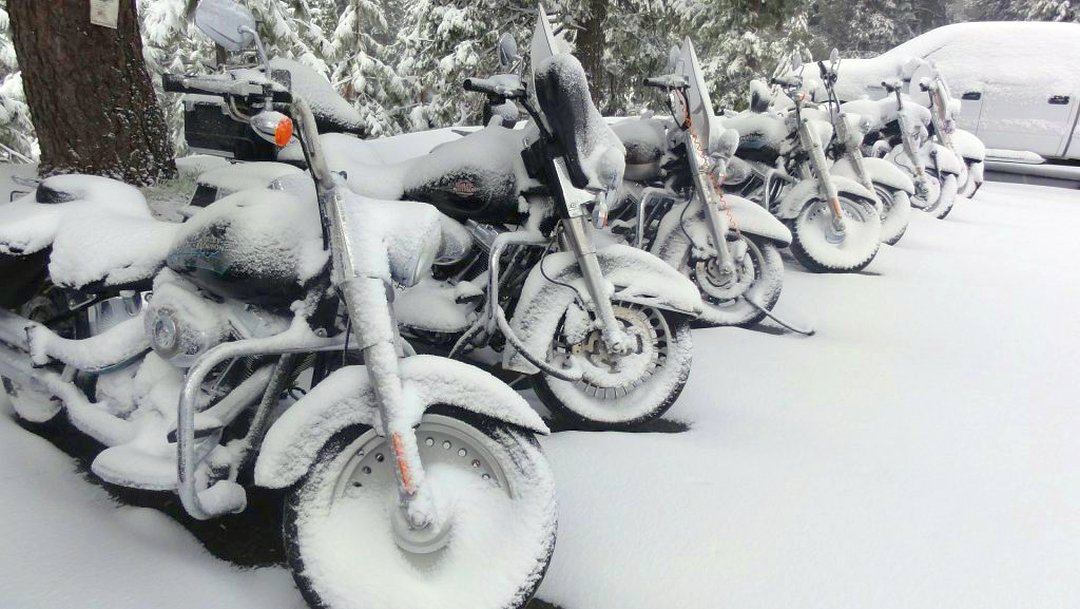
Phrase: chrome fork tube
pixel 576 230
pixel 812 143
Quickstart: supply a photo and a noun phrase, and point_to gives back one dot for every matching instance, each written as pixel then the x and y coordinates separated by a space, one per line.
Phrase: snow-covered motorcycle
pixel 892 187
pixel 412 481
pixel 781 164
pixel 603 329
pixel 675 208
pixel 899 132
pixel 944 110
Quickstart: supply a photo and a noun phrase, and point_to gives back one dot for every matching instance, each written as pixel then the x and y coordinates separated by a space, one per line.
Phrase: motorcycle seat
pixel 97 231
pixel 595 158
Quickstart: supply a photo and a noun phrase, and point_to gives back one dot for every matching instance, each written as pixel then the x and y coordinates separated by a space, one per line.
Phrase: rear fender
pixel 346 397
pixel 797 197
pixel 635 276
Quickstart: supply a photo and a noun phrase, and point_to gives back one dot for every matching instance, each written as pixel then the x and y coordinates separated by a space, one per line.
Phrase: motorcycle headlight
pixel 177 340
pixel 181 326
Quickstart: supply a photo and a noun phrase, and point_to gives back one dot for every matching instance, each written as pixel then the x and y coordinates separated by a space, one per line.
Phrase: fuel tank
pixel 477 177
pixel 258 246
pixel 760 136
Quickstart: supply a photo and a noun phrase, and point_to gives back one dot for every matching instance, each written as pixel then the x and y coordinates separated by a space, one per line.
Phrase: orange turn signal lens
pixel 284 132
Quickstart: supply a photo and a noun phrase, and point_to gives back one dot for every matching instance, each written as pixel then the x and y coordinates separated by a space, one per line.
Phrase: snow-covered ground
pixel 920 451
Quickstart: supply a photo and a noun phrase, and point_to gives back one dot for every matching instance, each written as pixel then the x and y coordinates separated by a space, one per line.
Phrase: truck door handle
pixel 971 95
pixel 1059 100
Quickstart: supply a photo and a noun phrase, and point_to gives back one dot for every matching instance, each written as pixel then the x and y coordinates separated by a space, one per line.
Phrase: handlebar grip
pixel 474 84
pixel 783 82
pixel 653 82
pixel 173 83
pixel 179 83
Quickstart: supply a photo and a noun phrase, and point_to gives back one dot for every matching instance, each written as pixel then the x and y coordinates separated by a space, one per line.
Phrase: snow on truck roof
pixel 977 56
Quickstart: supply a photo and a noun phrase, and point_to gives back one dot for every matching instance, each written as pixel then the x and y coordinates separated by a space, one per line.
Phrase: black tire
pixel 805 228
pixel 648 400
pixel 896 213
pixel 947 199
pixel 525 471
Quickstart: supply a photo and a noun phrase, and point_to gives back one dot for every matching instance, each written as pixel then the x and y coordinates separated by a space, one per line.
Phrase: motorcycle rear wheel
pixel 645 387
pixel 348 546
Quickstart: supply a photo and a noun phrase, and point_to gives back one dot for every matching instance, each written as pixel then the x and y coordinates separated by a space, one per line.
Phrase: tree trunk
pixel 590 47
pixel 89 93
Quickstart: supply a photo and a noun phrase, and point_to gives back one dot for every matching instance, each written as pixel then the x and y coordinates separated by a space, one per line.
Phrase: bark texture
pixel 590 45
pixel 89 92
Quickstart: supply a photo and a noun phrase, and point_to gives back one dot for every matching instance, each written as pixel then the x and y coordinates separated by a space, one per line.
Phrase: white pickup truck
pixel 1019 81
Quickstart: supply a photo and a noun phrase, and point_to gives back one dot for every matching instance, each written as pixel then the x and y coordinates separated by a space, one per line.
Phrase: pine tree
pixel 359 57
pixel 444 42
pixel 862 28
pixel 1054 10
pixel 16 128
pixel 738 40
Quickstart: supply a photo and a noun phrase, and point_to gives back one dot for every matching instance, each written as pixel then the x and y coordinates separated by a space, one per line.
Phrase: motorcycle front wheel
pixel 925 200
pixel 759 276
pixel 621 391
pixel 348 546
pixel 895 213
pixel 820 247
pixel 946 198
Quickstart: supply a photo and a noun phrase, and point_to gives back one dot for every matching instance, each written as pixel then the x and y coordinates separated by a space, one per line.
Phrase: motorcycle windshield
pixel 542 46
pixel 701 112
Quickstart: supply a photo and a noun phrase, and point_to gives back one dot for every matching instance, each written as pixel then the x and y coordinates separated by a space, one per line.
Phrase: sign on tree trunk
pixel 105 12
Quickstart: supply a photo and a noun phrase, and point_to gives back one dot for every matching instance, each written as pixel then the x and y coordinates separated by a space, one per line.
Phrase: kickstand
pixel 773 317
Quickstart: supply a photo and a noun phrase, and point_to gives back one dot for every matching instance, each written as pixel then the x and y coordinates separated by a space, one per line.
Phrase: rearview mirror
pixel 508 51
pixel 674 53
pixel 834 56
pixel 228 23
pixel 796 63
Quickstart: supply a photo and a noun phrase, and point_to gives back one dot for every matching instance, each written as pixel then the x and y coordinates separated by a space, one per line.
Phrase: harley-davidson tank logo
pixel 464 188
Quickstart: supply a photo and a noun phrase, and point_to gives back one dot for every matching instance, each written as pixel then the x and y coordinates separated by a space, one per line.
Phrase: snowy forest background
pixel 401 62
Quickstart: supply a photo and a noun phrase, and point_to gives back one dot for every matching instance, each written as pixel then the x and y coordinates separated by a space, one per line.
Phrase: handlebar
pixel 668 82
pixel 489 87
pixel 220 87
pixel 890 86
pixel 790 83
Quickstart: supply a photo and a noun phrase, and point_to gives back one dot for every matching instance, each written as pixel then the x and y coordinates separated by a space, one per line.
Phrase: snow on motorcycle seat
pixel 595 158
pixel 97 231
pixel 478 176
pixel 644 139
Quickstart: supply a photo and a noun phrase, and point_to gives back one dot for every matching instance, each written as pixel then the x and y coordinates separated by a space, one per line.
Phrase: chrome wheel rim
pixel 442 441
pixel 608 375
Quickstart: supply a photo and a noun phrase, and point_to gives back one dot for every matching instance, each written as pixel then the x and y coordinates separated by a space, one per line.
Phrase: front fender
pixel 945 160
pixel 636 276
pixel 346 397
pixel 808 190
pixel 749 217
pixel 969 146
pixel 880 170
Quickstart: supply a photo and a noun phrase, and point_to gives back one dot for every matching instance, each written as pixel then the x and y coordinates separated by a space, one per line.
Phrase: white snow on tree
pixel 441 43
pixel 743 40
pixel 16 130
pixel 361 57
